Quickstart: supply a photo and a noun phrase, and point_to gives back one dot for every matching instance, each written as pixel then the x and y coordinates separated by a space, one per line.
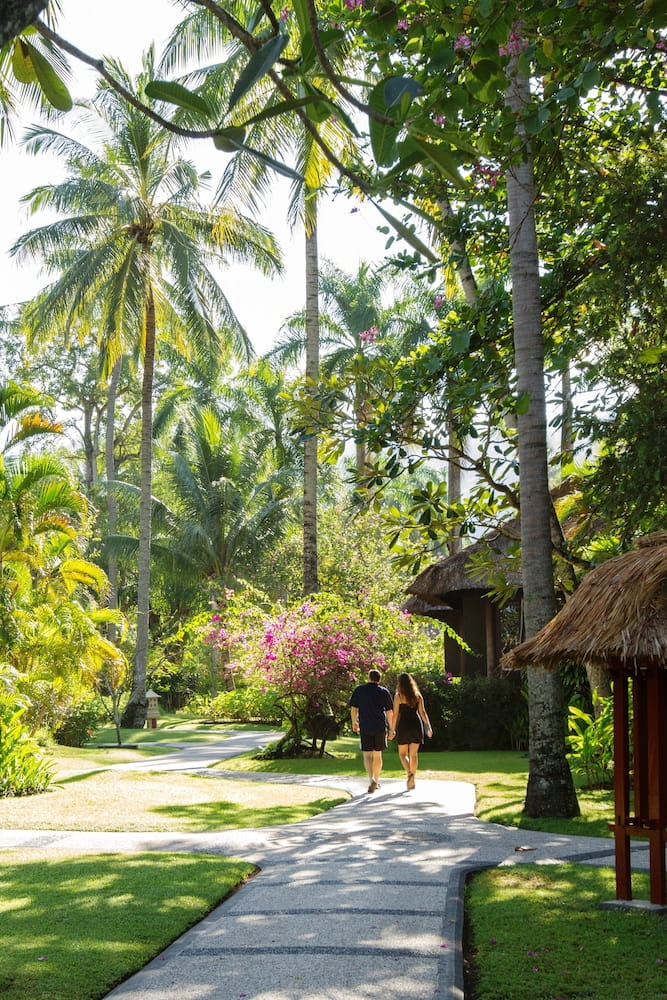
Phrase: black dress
pixel 409 728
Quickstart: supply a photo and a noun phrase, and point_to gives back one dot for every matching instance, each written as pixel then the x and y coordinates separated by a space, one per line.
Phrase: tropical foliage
pixel 513 337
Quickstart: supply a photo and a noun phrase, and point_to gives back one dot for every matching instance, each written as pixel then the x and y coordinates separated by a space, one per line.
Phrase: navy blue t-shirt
pixel 373 701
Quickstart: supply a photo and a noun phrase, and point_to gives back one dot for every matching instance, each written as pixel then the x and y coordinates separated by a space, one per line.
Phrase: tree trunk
pixel 310 559
pixel 550 790
pixel 112 502
pixel 135 712
pixel 566 429
pixel 468 283
pixel 89 447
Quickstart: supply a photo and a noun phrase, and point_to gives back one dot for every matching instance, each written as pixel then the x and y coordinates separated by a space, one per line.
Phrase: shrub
pixel 591 742
pixel 23 770
pixel 476 713
pixel 310 656
pixel 243 704
pixel 77 723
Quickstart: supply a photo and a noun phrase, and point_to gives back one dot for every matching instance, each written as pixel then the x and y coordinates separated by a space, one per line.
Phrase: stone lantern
pixel 152 712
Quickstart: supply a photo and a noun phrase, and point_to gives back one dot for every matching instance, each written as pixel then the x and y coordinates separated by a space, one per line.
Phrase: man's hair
pixel 375 676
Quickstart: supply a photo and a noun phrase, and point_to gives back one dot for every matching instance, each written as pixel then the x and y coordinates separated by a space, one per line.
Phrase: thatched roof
pixel 418 606
pixel 457 572
pixel 617 617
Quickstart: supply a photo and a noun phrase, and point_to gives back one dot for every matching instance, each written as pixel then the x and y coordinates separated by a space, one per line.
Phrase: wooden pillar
pixel 622 786
pixel 640 744
pixel 656 780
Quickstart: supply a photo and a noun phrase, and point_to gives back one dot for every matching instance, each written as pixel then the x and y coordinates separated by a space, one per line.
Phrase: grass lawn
pixel 85 796
pixel 538 933
pixel 175 727
pixel 74 927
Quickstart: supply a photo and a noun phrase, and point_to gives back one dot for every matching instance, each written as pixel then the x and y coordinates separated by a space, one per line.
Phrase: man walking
pixel 371 708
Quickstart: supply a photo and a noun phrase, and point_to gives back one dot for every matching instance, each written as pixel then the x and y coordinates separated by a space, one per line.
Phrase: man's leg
pixel 376 765
pixel 368 763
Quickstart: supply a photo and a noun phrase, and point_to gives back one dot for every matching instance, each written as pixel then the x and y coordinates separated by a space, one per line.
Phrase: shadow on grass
pixel 230 816
pixel 84 776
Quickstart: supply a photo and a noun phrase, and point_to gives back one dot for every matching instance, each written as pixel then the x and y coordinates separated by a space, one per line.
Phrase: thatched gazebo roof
pixel 457 572
pixel 418 606
pixel 617 617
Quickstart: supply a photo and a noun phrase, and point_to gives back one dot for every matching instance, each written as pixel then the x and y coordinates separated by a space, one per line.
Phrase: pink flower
pixel 516 44
pixel 402 24
pixel 370 335
pixel 353 4
pixel 462 43
pixel 439 119
pixel 284 14
pixel 487 175
pixel 438 300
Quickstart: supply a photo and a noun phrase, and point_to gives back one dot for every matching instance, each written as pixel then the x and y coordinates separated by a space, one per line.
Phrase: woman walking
pixel 411 722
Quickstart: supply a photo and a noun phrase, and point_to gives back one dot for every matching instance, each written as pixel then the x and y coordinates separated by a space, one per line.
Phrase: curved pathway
pixel 364 902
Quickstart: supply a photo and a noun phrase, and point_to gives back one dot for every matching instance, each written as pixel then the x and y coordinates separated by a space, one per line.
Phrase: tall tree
pixel 141 244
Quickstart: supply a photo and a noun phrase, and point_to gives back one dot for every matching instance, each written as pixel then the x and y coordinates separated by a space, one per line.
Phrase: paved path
pixel 363 902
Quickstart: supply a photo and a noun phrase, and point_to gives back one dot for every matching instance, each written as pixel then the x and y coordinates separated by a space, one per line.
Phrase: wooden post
pixel 621 785
pixel 656 780
pixel 640 744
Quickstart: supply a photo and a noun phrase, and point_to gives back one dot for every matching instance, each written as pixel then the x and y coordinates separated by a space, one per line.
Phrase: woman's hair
pixel 406 686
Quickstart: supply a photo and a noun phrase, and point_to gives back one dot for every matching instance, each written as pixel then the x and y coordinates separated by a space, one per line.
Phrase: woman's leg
pixel 404 756
pixel 414 758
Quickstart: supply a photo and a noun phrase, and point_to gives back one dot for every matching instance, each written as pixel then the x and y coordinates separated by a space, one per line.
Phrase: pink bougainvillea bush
pixel 312 655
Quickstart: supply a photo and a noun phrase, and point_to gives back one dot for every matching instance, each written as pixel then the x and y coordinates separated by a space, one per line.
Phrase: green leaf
pixel 309 53
pixel 301 12
pixel 21 63
pixel 460 341
pixel 383 136
pixel 229 140
pixel 258 65
pixel 407 234
pixel 55 89
pixel 175 93
pixel 280 168
pixel 396 87
pixel 283 107
pixel 443 160
pixel 651 355
pixel 255 19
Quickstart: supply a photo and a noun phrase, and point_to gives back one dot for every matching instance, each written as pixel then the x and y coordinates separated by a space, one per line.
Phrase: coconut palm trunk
pixel 135 713
pixel 112 503
pixel 310 556
pixel 550 790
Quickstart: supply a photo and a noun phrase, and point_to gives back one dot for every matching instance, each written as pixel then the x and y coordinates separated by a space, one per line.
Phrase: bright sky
pixel 347 232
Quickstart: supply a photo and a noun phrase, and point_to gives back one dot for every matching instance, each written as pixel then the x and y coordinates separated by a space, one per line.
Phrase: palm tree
pixel 353 316
pixel 203 34
pixel 227 499
pixel 136 240
pixel 550 790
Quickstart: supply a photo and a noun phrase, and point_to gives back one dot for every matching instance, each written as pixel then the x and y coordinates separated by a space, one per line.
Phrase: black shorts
pixel 374 741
